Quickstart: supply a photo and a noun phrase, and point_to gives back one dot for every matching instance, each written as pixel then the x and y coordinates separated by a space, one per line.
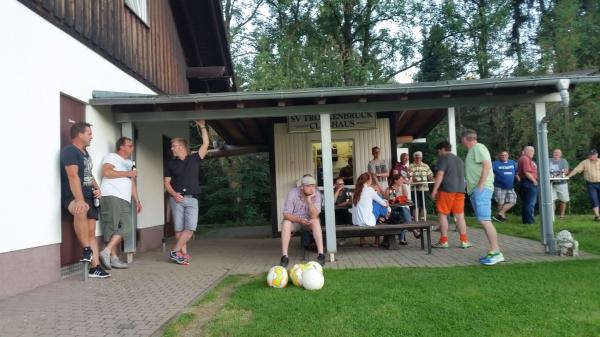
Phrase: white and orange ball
pixel 277 277
pixel 312 279
pixel 296 275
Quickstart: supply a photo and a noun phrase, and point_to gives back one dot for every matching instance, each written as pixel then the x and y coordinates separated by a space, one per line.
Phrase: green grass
pixel 213 293
pixel 182 320
pixel 583 227
pixel 541 299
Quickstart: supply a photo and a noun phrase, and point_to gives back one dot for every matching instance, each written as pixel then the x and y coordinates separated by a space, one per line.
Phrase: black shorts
pixel 92 212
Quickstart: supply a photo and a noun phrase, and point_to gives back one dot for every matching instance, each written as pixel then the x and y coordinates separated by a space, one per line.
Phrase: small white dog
pixel 566 244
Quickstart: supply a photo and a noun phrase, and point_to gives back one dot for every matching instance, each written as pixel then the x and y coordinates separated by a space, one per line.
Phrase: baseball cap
pixel 592 152
pixel 308 180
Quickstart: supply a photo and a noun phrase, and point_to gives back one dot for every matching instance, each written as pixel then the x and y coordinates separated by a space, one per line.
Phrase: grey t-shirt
pixel 556 170
pixel 454 173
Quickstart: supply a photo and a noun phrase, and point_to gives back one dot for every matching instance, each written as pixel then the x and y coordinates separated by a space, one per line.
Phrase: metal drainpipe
pixel 544 169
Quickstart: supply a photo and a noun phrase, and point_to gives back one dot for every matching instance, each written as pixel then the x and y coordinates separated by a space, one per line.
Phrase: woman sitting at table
pixel 398 193
pixel 363 212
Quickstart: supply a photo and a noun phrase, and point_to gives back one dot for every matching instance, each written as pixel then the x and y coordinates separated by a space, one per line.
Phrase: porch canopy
pixel 245 119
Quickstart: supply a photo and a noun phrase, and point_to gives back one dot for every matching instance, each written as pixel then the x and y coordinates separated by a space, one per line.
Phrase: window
pixel 140 8
pixel 341 156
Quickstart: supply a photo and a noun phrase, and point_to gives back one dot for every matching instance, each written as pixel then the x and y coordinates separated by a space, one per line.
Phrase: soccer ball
pixel 312 280
pixel 277 277
pixel 296 275
pixel 315 265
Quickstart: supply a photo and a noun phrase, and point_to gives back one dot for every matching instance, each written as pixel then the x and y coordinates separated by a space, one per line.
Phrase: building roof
pixel 243 118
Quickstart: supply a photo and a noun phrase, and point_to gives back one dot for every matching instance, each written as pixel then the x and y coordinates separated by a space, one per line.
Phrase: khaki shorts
pixel 560 192
pixel 115 217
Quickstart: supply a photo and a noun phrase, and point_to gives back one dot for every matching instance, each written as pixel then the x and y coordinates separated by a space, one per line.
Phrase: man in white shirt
pixel 118 189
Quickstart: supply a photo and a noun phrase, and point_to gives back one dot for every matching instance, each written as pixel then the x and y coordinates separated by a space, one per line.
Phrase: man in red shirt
pixel 527 172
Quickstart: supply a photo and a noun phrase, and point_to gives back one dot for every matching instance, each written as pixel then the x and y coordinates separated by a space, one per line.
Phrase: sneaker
pixel 481 258
pixel 177 258
pixel 465 244
pixel 284 261
pixel 597 218
pixel 499 218
pixel 98 272
pixel 86 256
pixel 118 264
pixel 105 259
pixel 493 258
pixel 321 259
pixel 440 245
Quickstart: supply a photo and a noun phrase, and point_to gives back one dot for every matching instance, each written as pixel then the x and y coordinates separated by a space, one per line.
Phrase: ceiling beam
pixel 275 111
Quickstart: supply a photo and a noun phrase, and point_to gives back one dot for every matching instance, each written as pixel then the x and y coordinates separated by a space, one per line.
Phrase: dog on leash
pixel 566 244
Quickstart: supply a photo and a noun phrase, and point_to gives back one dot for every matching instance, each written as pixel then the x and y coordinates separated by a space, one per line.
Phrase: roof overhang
pixel 417 98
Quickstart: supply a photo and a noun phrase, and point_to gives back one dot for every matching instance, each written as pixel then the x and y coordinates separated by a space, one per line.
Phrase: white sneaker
pixel 105 258
pixel 116 263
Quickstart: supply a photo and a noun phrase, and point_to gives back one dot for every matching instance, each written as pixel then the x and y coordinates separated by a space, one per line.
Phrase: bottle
pixel 96 200
pixel 183 191
pixel 133 167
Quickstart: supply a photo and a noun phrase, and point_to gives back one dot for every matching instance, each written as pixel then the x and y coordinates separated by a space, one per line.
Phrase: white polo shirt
pixel 117 187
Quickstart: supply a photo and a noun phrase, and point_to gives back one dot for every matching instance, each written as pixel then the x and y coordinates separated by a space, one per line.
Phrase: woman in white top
pixel 362 202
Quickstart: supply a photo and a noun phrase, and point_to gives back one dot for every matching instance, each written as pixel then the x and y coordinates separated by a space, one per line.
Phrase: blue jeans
pixel 529 197
pixel 593 190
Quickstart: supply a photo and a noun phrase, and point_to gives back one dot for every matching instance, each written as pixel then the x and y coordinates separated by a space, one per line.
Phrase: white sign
pixel 339 121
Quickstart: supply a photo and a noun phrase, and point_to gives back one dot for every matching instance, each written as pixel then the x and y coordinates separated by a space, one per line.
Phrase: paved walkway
pixel 139 300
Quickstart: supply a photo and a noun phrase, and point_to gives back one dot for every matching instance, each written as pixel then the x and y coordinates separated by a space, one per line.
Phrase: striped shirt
pixel 590 169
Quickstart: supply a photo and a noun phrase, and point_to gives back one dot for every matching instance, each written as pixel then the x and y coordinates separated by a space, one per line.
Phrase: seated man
pixel 301 210
pixel 342 197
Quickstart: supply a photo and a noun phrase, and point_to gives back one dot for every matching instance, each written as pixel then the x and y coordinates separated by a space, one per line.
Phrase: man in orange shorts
pixel 449 194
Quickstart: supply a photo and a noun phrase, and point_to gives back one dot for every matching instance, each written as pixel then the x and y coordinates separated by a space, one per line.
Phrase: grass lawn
pixel 541 299
pixel 583 227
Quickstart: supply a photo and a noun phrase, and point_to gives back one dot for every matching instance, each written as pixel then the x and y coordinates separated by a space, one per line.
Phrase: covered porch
pixel 248 120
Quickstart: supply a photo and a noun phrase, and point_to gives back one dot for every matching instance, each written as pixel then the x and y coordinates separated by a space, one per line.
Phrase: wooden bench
pixel 388 231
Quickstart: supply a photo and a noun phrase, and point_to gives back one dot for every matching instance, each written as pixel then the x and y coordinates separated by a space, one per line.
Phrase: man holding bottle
pixel 78 191
pixel 118 190
pixel 182 183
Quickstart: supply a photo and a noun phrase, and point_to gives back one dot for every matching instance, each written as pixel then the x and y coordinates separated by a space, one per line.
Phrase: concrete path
pixel 139 300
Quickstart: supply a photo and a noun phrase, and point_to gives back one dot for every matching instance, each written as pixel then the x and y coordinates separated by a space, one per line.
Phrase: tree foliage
pixel 282 44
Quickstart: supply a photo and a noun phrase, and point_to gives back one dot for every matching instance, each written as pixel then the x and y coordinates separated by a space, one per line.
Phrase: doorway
pixel 71 111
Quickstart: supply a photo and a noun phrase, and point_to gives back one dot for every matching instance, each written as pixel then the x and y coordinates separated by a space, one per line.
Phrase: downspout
pixel 544 169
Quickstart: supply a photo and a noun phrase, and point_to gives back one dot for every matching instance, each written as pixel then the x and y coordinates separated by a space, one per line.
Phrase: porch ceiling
pixel 244 118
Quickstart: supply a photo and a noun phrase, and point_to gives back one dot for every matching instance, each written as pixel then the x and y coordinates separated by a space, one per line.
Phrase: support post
pixel 129 239
pixel 328 185
pixel 545 192
pixel 452 129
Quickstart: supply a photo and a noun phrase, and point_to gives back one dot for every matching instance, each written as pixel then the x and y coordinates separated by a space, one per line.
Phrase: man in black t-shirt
pixel 182 183
pixel 449 194
pixel 79 188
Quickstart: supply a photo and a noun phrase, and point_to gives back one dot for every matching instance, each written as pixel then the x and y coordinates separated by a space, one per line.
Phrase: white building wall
pixel 37 63
pixel 293 154
pixel 149 160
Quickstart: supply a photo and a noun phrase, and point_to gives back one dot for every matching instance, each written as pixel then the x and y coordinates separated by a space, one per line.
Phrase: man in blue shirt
pixel 505 173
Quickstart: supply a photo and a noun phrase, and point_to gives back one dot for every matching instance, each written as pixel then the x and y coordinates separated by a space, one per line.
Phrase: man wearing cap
pixel 591 173
pixel 301 210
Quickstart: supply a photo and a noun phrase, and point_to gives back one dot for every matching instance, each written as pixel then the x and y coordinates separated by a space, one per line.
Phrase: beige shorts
pixel 560 192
